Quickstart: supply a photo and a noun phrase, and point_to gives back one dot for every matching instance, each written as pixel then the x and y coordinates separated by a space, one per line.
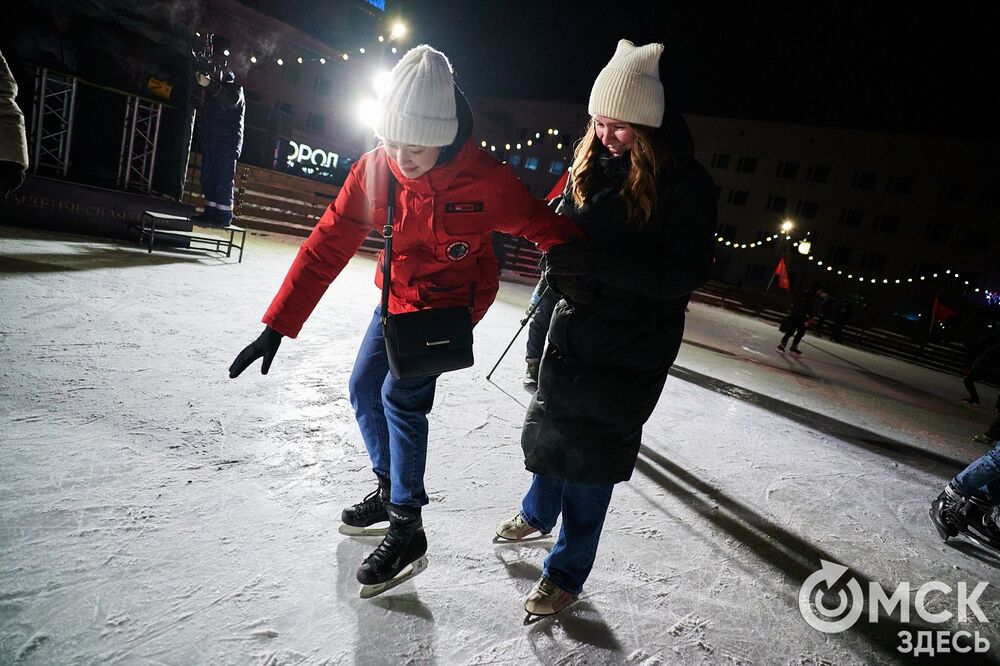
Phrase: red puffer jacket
pixel 442 251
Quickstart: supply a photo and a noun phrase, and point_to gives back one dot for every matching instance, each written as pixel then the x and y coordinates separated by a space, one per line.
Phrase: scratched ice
pixel 153 511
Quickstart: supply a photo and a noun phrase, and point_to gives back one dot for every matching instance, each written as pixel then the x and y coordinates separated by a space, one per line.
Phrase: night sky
pixel 836 64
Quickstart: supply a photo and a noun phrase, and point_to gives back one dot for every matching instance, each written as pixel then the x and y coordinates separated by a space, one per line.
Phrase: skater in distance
pixel 648 210
pixel 450 197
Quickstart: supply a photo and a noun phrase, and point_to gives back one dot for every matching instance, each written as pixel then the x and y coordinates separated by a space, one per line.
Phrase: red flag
pixel 557 189
pixel 941 312
pixel 782 272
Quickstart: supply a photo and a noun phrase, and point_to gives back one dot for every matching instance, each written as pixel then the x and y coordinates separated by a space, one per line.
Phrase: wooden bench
pixel 148 229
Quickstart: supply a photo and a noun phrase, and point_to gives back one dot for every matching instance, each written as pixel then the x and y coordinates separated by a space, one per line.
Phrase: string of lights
pixel 524 144
pixel 252 57
pixel 946 274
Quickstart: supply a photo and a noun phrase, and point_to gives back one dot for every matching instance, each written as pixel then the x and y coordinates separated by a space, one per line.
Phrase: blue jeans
pixel 392 416
pixel 982 477
pixel 583 509
pixel 538 328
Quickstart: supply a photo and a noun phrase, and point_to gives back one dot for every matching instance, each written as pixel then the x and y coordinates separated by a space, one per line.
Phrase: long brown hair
pixel 648 157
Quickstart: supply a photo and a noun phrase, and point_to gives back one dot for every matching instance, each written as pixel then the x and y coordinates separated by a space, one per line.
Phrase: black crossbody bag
pixel 425 342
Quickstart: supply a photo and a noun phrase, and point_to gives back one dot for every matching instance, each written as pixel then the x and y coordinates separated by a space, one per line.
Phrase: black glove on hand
pixel 265 345
pixel 572 259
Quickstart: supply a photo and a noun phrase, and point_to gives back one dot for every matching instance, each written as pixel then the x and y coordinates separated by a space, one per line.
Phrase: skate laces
pixel 370 504
pixel 547 588
pixel 385 552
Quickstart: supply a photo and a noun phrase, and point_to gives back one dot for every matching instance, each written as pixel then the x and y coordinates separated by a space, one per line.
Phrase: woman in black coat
pixel 649 213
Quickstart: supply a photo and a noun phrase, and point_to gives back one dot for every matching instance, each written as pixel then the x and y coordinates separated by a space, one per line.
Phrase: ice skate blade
pixel 531 618
pixel 981 541
pixel 350 530
pixel 408 572
pixel 499 539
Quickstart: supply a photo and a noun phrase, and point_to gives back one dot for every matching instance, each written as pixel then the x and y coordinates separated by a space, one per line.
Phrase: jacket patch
pixel 467 207
pixel 457 250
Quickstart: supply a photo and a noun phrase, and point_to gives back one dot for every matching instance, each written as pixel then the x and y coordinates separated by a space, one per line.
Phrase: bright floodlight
pixel 225 52
pixel 398 31
pixel 368 112
pixel 280 62
pixel 299 60
pixel 787 225
pixel 381 81
pixel 804 247
pixel 322 61
pixel 253 59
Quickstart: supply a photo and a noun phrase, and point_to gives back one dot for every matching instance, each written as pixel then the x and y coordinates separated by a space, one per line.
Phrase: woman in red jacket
pixel 450 197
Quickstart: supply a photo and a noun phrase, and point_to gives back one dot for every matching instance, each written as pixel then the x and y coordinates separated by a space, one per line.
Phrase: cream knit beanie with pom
pixel 418 106
pixel 629 88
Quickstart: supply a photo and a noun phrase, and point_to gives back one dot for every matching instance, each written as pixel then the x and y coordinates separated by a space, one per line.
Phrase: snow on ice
pixel 154 511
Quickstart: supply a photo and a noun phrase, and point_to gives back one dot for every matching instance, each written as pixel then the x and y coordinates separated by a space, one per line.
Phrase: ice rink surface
pixel 155 512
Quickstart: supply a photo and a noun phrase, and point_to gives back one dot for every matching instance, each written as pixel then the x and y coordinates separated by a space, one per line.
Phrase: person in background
pixel 799 317
pixel 984 365
pixel 649 212
pixel 451 196
pixel 13 143
pixel 992 434
pixel 827 307
pixel 220 132
pixel 841 316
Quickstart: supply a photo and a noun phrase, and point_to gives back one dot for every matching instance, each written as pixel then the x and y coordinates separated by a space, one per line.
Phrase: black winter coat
pixel 615 334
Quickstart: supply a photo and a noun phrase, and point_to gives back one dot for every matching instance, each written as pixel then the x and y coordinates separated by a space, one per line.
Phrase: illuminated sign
pixel 301 159
pixel 301 152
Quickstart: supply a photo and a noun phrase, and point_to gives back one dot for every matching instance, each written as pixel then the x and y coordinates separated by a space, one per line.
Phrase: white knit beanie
pixel 629 88
pixel 417 108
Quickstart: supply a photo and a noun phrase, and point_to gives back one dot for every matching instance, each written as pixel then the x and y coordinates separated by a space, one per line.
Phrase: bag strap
pixel 387 252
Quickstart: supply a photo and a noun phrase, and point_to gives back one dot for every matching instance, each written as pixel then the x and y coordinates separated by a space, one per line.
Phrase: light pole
pixel 786 230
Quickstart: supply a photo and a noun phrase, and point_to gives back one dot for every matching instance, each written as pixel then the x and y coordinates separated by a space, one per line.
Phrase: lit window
pixel 531 163
pixel 557 167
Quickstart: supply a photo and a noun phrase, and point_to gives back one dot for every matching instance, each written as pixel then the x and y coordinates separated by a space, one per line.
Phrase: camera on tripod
pixel 206 59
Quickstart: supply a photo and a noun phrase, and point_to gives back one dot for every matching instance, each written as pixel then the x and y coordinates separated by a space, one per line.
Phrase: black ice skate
pixel 359 519
pixel 954 513
pixel 401 555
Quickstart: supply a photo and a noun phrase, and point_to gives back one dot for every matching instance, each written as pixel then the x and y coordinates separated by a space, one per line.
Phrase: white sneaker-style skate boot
pixel 546 599
pixel 518 529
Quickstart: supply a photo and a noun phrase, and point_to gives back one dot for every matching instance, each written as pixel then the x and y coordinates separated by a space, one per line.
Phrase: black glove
pixel 265 345
pixel 572 259
pixel 11 177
